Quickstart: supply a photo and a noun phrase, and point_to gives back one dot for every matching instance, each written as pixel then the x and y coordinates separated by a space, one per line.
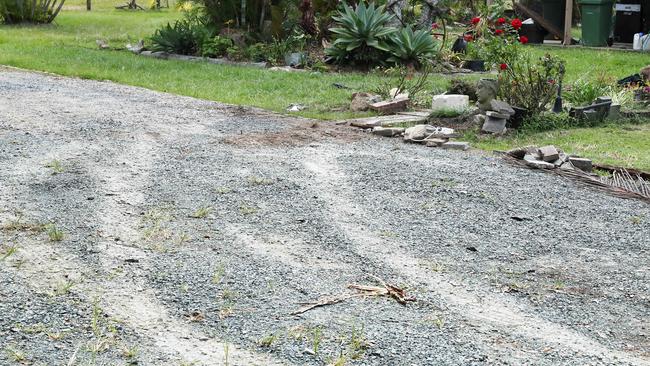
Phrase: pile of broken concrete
pixel 550 157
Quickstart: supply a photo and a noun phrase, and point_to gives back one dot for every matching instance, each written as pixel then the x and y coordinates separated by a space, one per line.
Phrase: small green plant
pixel 16 355
pixel 8 252
pixel 201 212
pixel 259 181
pixel 218 274
pixel 247 210
pixel 130 352
pixel 235 53
pixel 226 353
pixel 637 220
pixel 216 46
pixel 63 288
pixel 54 233
pixel 358 343
pixel 222 190
pixel 267 341
pixel 56 166
pixel 582 92
pixel 316 338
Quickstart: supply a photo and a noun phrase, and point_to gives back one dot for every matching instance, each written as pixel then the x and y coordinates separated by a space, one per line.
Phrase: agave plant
pixel 29 11
pixel 411 47
pixel 362 34
pixel 182 38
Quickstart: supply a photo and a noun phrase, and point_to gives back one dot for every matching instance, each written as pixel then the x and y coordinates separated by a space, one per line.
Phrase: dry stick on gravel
pixel 385 289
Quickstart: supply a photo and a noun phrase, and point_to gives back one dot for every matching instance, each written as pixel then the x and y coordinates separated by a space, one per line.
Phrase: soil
pixel 139 227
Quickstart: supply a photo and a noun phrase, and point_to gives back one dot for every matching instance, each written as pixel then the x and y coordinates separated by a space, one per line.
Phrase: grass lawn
pixel 68 48
pixel 621 145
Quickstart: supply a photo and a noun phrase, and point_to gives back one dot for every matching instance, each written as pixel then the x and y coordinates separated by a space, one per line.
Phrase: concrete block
pixel 549 153
pixel 494 125
pixel 539 164
pixel 455 102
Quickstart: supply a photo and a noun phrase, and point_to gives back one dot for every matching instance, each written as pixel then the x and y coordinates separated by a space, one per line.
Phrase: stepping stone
pixel 455 145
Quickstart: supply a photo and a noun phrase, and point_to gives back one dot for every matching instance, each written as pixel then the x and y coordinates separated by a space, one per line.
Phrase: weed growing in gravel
pixel 358 343
pixel 56 166
pixel 247 210
pixel 129 352
pixel 226 353
pixel 387 234
pixel 340 361
pixel 222 190
pixel 267 341
pixel 433 266
pixel 637 220
pixel 201 212
pixel 316 338
pixel 218 273
pixel 444 183
pixel 54 233
pixel 55 336
pixel 63 288
pixel 16 355
pixel 8 252
pixel 259 181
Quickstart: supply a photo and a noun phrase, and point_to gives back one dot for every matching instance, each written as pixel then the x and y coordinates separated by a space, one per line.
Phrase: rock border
pixel 219 61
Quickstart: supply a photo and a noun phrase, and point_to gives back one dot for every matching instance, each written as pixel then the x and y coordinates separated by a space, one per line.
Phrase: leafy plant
pixel 531 84
pixel 411 48
pixel 362 35
pixel 582 92
pixel 29 11
pixel 184 38
pixel 235 53
pixel 257 52
pixel 215 47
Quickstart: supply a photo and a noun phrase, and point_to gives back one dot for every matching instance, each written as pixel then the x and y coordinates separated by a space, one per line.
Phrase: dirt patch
pixel 297 135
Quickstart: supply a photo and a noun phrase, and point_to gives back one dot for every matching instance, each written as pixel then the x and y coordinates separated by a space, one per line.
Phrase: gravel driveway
pixel 146 228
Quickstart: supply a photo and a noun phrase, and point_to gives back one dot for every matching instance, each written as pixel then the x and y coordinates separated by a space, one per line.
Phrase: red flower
pixel 516 23
pixel 498 32
pixel 476 20
pixel 503 66
pixel 523 39
pixel 551 81
pixel 501 21
pixel 434 26
pixel 468 38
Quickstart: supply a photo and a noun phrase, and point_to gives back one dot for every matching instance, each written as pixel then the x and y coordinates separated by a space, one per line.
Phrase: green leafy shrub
pixel 463 87
pixel 215 47
pixel 29 11
pixel 531 84
pixel 257 52
pixel 362 35
pixel 182 38
pixel 235 53
pixel 281 47
pixel 582 92
pixel 411 48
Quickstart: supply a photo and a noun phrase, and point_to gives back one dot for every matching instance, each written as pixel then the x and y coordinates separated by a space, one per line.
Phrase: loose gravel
pixel 192 230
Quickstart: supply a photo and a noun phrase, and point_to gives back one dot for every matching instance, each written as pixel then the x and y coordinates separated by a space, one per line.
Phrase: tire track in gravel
pixel 127 297
pixel 484 312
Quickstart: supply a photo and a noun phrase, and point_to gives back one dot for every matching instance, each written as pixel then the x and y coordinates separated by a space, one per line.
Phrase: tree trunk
pixel 242 22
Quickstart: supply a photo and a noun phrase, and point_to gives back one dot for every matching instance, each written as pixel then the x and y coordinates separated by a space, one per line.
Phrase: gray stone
pixel 455 102
pixel 582 163
pixel 416 133
pixel 362 101
pixel 136 48
pixel 493 114
pixel 501 107
pixel 549 153
pixel 455 145
pixel 539 164
pixel 294 59
pixel 532 156
pixel 435 142
pixel 494 125
pixel 603 100
pixel 387 131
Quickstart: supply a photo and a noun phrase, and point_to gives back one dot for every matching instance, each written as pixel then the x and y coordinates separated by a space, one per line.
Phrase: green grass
pixel 626 145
